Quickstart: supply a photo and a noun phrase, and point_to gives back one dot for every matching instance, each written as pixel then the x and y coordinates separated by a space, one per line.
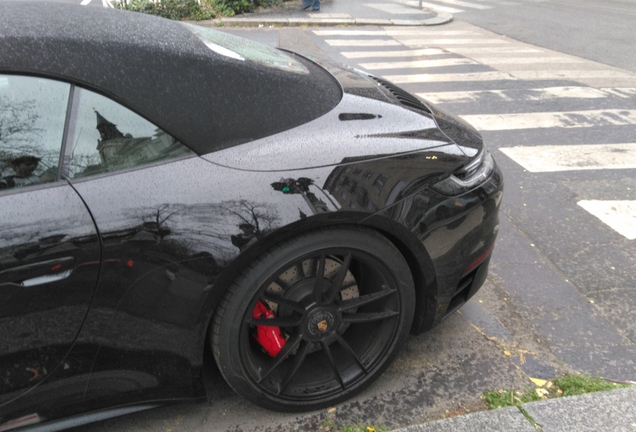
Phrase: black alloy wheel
pixel 315 319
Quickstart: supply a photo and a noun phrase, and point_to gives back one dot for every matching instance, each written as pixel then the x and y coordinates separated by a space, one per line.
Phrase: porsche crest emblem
pixel 322 326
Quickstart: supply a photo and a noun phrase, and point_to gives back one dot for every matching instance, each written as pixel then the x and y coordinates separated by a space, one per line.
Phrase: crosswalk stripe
pixel 471 41
pixel 442 8
pixel 368 42
pixel 492 50
pixel 418 64
pixel 563 119
pixel 392 54
pixel 553 158
pixel 624 92
pixel 544 60
pixel 393 32
pixel 421 78
pixel 535 94
pixel 618 215
pixel 570 74
pixel 465 4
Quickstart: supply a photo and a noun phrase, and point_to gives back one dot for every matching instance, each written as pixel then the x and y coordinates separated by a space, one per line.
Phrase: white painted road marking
pixel 393 32
pixel 571 74
pixel 624 92
pixel 619 215
pixel 554 158
pixel 543 60
pixel 471 41
pixel 535 94
pixel 465 4
pixel 392 54
pixel 442 8
pixel 492 50
pixel 563 119
pixel 456 77
pixel 358 43
pixel 85 2
pixel 418 64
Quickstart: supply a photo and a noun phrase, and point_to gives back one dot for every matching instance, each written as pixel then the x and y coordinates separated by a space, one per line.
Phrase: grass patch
pixel 194 9
pixel 565 386
pixel 360 428
pixel 576 385
pixel 507 398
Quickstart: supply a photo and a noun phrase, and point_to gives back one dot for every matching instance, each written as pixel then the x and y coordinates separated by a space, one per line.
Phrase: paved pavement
pixel 343 12
pixel 602 411
pixel 612 411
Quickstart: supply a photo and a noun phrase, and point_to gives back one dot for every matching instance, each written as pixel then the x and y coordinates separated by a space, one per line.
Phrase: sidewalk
pixel 601 411
pixel 342 12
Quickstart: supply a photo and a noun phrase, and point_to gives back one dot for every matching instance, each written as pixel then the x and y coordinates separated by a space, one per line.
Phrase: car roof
pixel 163 71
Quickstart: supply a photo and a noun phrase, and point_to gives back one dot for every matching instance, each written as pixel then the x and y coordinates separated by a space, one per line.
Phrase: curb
pixel 441 18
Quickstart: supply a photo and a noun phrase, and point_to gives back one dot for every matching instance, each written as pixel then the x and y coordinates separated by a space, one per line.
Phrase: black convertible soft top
pixel 161 69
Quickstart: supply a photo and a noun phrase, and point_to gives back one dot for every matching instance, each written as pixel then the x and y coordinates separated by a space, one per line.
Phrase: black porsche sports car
pixel 173 197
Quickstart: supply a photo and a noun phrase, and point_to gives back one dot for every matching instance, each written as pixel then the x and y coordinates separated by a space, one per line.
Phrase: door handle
pixel 38 273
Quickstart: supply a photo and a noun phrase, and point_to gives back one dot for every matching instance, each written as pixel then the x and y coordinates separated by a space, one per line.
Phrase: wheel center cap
pixel 321 323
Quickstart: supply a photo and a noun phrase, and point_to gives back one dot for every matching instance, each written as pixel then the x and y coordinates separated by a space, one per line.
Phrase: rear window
pixel 245 50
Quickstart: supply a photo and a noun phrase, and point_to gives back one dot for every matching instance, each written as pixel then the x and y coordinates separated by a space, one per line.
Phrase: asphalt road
pixel 599 30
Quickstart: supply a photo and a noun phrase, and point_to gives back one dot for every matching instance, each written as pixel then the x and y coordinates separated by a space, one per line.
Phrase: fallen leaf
pixel 331 410
pixel 538 381
pixel 541 392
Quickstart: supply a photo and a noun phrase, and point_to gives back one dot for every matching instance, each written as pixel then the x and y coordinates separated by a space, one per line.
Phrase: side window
pixel 106 137
pixel 32 116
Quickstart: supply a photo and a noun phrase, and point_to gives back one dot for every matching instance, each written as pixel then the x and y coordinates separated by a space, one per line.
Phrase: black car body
pixel 121 250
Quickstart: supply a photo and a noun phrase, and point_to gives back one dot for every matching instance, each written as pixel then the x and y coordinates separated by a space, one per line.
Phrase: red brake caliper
pixel 269 337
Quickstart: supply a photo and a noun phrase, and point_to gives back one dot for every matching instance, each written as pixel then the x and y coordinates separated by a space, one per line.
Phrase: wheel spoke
pixel 336 283
pixel 285 302
pixel 311 267
pixel 332 363
pixel 343 343
pixel 349 285
pixel 282 355
pixel 367 317
pixel 320 277
pixel 289 321
pixel 298 360
pixel 278 281
pixel 363 300
pixel 300 270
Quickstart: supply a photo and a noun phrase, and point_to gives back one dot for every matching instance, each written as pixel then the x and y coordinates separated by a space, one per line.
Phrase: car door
pixel 49 248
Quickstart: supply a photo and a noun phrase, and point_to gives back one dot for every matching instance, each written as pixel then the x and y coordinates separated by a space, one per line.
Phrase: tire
pixel 339 332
